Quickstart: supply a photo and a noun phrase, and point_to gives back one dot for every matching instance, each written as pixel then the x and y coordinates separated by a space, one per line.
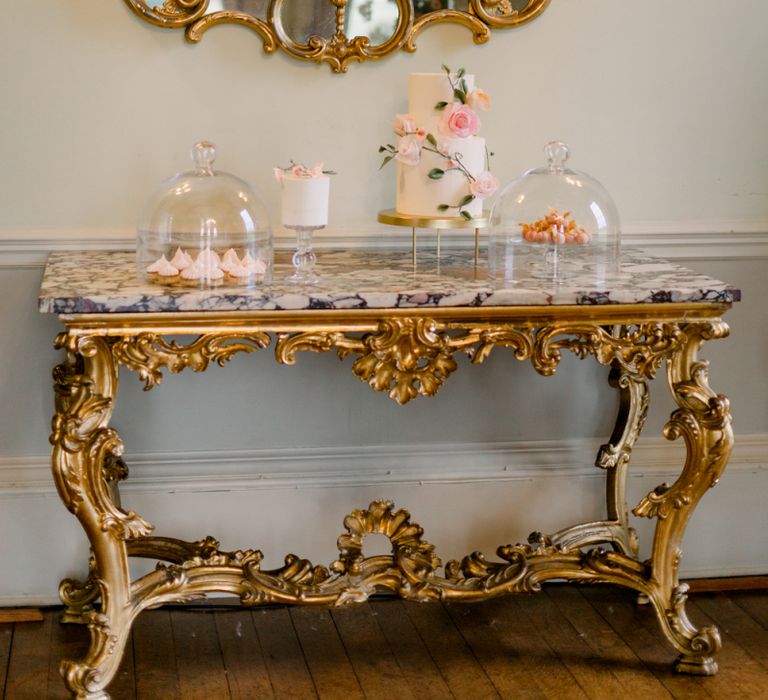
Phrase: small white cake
pixel 417 194
pixel 305 200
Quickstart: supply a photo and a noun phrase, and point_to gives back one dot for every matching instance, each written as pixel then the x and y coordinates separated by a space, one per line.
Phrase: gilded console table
pixel 404 330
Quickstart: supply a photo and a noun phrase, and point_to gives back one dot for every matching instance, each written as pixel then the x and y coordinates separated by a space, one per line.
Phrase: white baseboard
pixel 21 248
pixel 374 465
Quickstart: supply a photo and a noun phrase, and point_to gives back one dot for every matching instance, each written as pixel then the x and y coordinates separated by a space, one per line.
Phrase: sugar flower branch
pixel 300 170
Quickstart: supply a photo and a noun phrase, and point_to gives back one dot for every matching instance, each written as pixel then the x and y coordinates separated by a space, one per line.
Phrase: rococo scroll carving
pixel 331 43
pixel 410 357
pixel 411 569
pixel 85 451
pixel 405 358
pixel 703 420
pixel 146 353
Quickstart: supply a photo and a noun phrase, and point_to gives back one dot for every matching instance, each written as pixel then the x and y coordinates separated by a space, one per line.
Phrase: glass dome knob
pixel 203 155
pixel 557 153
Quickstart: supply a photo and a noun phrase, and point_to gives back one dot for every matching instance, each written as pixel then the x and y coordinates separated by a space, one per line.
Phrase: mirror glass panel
pixel 422 7
pixel 376 19
pixel 254 8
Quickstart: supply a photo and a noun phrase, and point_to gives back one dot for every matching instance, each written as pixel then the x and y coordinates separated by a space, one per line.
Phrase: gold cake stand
pixel 440 223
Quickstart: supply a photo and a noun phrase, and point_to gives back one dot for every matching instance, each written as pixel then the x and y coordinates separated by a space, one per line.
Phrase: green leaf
pixel 442 207
pixel 382 149
pixel 441 105
pixel 466 200
pixel 385 161
pixel 463 84
pixel 460 73
pixel 446 69
pixel 460 95
pixel 432 140
pixel 436 173
pixel 466 215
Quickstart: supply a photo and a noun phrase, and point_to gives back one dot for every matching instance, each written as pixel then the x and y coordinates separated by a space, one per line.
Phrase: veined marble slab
pixel 105 282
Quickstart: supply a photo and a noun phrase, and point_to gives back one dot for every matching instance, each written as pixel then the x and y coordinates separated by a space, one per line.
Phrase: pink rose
pixel 479 99
pixel 484 185
pixel 299 170
pixel 404 124
pixel 459 120
pixel 409 149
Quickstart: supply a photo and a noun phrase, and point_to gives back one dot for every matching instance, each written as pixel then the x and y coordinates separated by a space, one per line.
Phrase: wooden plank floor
pixel 566 642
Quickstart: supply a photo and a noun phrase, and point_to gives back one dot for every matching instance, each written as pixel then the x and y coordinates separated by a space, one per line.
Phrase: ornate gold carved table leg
pixel 703 421
pixel 83 448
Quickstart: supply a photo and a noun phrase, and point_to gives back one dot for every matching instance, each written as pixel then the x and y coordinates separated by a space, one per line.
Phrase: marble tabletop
pixel 105 282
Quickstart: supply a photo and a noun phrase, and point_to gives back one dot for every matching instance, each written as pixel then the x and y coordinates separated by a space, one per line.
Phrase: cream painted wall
pixel 664 102
pixel 96 107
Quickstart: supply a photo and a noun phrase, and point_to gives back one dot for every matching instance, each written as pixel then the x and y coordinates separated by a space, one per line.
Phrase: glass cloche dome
pixel 553 223
pixel 204 229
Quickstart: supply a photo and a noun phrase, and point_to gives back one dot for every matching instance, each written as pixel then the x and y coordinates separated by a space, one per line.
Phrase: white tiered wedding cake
pixel 442 164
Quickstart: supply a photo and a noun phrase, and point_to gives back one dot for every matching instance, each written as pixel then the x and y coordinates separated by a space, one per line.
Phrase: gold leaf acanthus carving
pixel 408 357
pixel 146 353
pixel 86 453
pixel 404 358
pixel 411 570
pixel 704 423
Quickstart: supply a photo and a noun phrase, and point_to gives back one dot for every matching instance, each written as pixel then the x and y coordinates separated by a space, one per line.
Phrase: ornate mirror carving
pixel 338 32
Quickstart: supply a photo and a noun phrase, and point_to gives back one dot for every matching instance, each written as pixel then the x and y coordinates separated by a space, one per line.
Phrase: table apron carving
pixel 407 354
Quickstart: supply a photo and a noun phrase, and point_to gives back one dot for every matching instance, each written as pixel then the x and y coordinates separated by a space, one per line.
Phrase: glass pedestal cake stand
pixel 440 223
pixel 304 258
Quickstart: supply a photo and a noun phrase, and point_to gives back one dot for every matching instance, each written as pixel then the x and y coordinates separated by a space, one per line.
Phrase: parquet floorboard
pixel 154 657
pixel 27 677
pixel 288 672
pixel 326 657
pixel 501 661
pixel 374 664
pixel 462 672
pixel 739 671
pixel 610 648
pixel 519 635
pixel 243 657
pixel 67 642
pixel 593 674
pixel 6 637
pixel 737 623
pixel 755 604
pixel 591 643
pixel 638 627
pixel 202 675
pixel 416 663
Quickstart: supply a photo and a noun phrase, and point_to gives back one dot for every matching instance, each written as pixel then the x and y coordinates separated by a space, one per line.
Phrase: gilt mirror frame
pixel 337 50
